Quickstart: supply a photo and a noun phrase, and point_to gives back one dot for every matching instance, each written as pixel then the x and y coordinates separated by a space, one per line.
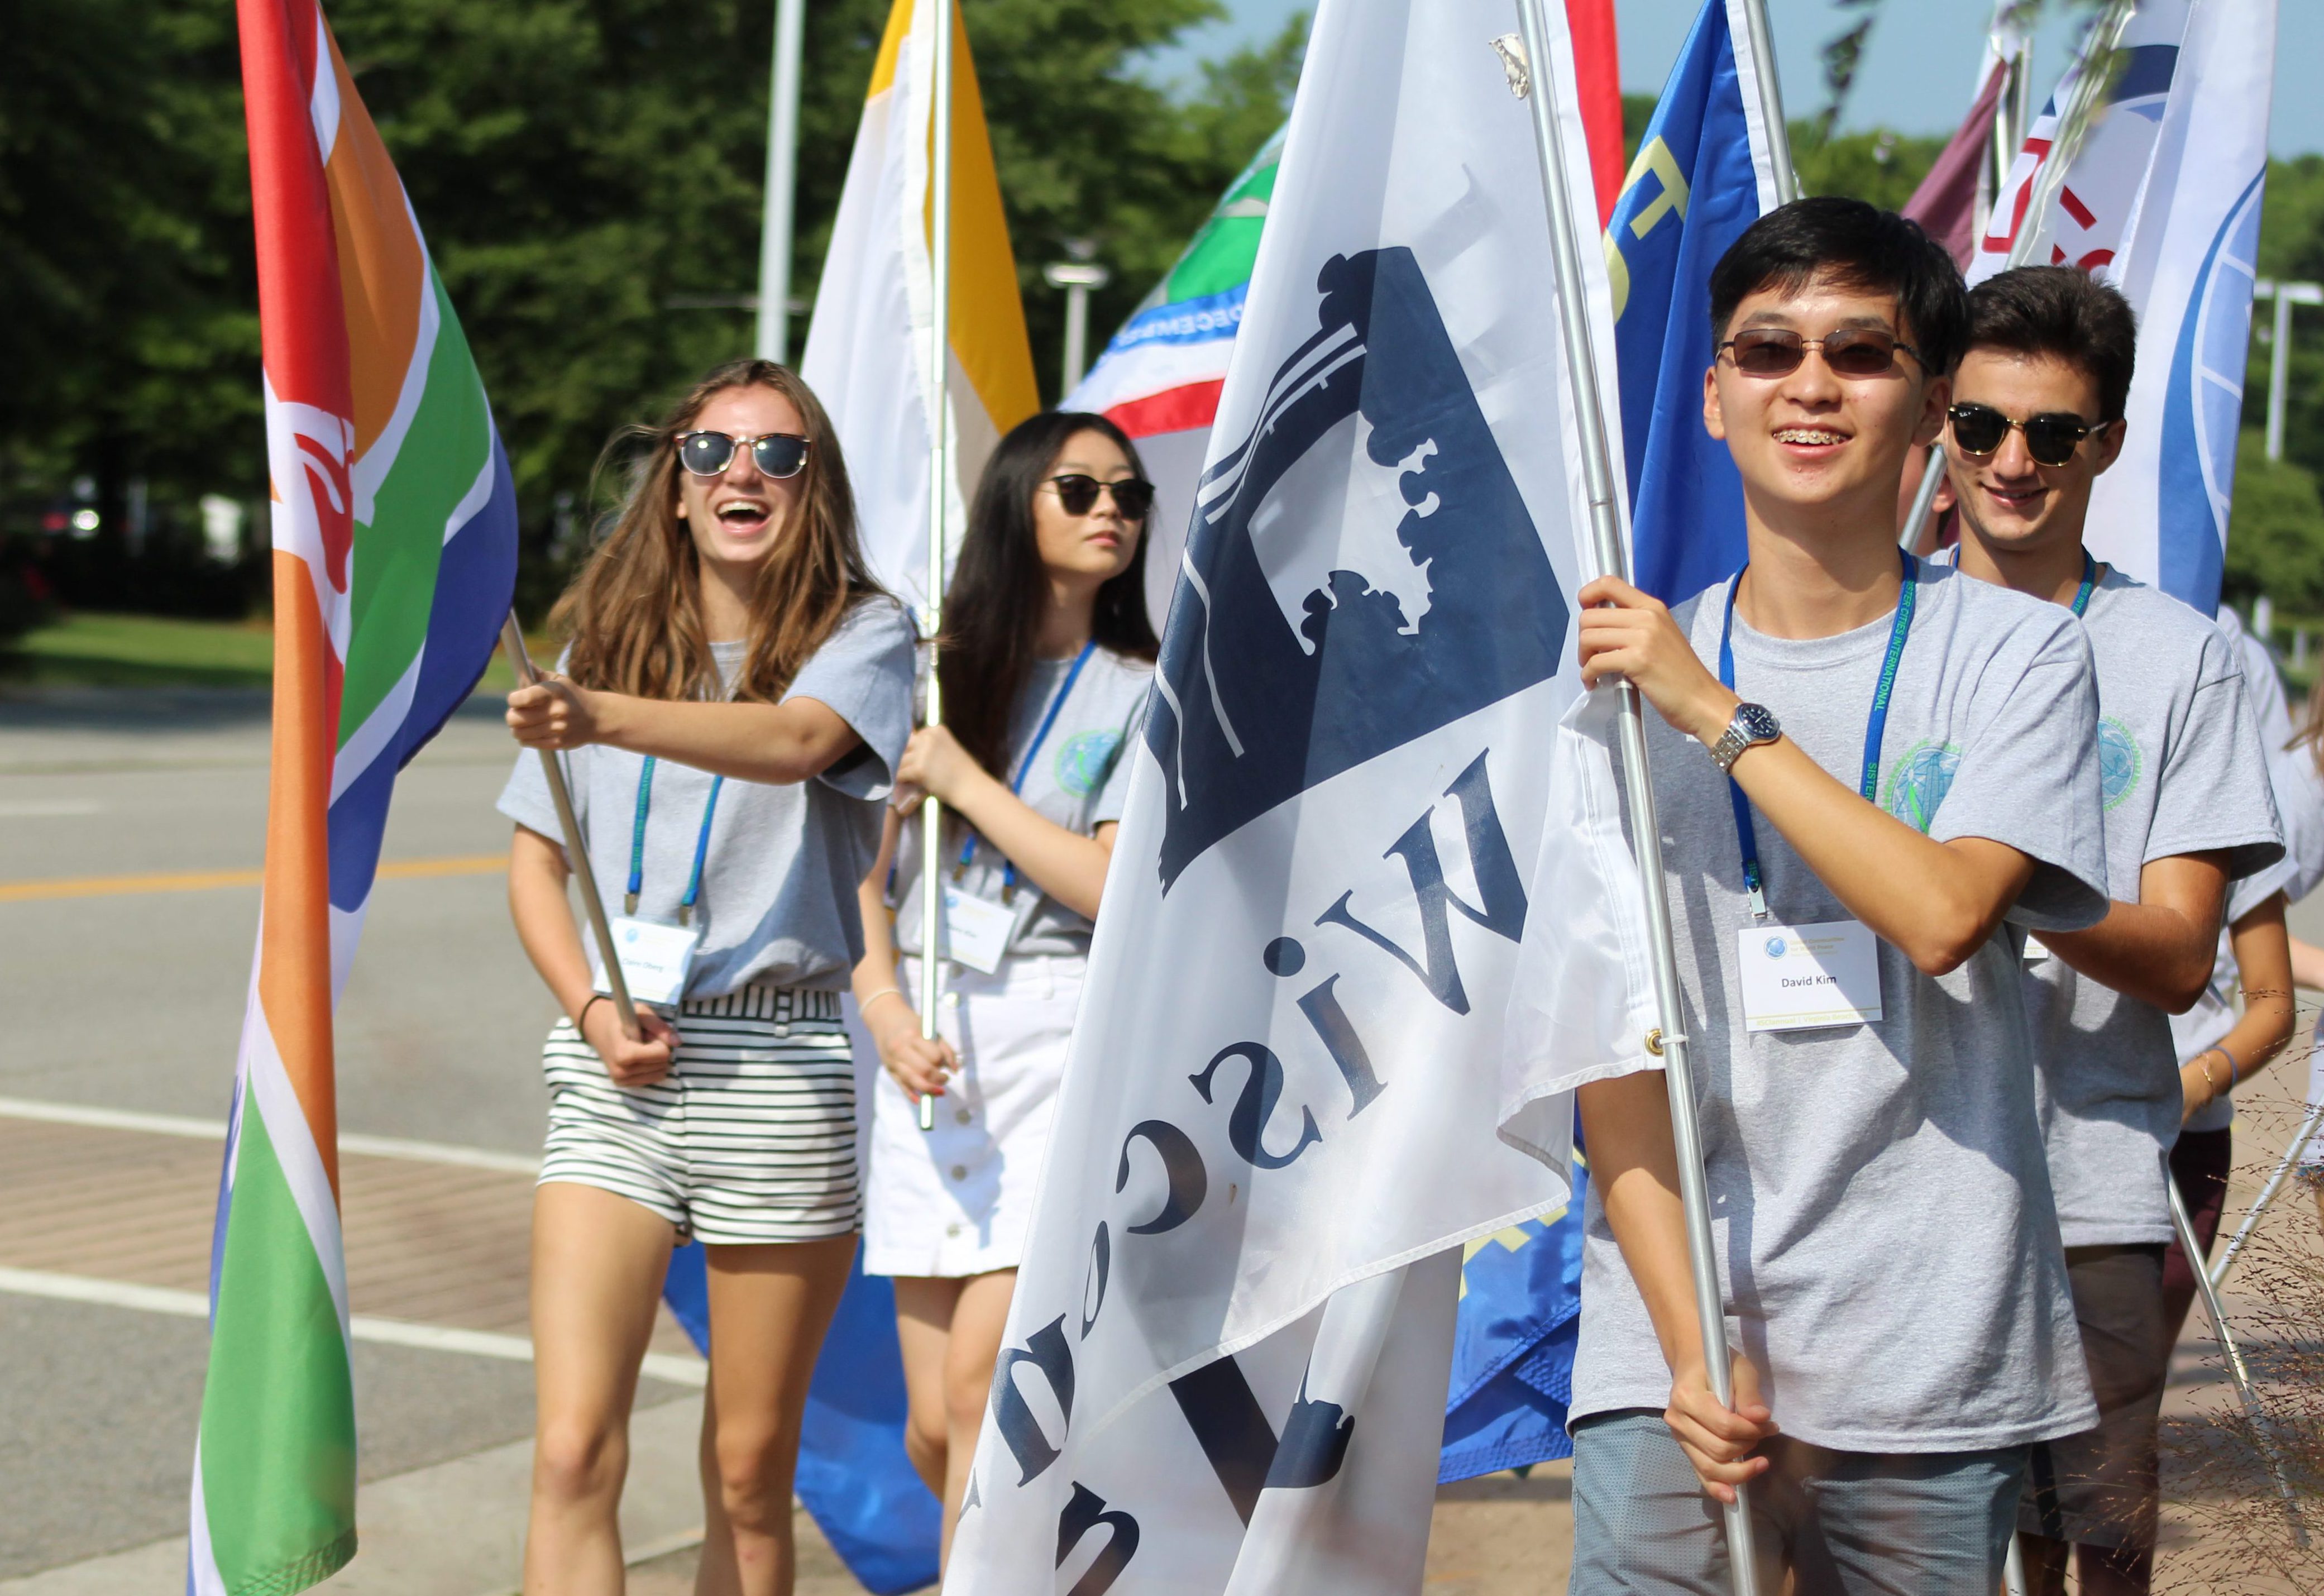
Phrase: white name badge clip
pixel 655 958
pixel 2036 950
pixel 1804 977
pixel 975 933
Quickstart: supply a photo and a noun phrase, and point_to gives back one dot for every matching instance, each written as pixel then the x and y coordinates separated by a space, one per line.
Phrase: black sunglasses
pixel 1133 495
pixel 708 453
pixel 1851 352
pixel 2051 438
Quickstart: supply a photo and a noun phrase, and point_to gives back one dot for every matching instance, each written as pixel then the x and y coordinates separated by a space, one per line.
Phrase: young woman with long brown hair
pixel 736 699
pixel 1045 664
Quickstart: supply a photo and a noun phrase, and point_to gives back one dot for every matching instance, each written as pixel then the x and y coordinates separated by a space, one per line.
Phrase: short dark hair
pixel 2060 313
pixel 1857 245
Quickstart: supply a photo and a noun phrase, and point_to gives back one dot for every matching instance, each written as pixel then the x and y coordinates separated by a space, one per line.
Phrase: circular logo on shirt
pixel 1775 946
pixel 1919 781
pixel 1085 760
pixel 2119 760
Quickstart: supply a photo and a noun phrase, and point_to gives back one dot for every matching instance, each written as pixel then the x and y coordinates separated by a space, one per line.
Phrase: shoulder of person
pixel 2168 626
pixel 2025 630
pixel 1128 666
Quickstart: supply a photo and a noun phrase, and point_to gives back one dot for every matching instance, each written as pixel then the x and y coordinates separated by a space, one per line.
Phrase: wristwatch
pixel 1753 724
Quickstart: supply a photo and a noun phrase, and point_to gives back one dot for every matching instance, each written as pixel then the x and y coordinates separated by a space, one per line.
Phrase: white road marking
pixel 376 1146
pixel 400 1333
pixel 49 808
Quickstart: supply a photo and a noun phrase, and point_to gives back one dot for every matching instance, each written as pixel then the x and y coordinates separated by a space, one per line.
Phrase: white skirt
pixel 957 1200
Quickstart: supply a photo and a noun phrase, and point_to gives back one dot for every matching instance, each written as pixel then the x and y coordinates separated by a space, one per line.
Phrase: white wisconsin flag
pixel 1371 917
pixel 2187 263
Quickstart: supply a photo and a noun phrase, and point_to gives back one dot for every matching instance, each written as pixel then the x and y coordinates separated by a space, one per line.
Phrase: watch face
pixel 1758 722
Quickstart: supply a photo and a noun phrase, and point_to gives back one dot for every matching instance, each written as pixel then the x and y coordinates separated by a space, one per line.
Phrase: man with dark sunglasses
pixel 2036 415
pixel 1867 770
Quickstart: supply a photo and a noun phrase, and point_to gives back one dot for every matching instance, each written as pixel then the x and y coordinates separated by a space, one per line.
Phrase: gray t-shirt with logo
pixel 2182 772
pixel 1879 1201
pixel 1078 778
pixel 778 905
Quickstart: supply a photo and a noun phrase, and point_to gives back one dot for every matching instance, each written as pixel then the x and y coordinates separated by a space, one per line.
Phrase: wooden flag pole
pixel 939 465
pixel 1668 1040
pixel 577 847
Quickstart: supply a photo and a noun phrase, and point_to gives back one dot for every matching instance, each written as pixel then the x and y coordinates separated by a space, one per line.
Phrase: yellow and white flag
pixel 867 347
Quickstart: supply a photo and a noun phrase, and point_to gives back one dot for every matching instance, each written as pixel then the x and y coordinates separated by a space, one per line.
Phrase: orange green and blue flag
pixel 394 532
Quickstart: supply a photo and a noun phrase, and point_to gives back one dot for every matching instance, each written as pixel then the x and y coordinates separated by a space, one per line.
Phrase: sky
pixel 1914 77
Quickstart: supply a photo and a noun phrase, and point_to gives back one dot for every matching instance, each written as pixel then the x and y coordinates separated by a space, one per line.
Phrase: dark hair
pixel 1860 246
pixel 2060 313
pixel 992 610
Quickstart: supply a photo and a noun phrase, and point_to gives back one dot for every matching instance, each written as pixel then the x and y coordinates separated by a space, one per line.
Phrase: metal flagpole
pixel 2267 1194
pixel 2074 124
pixel 1924 497
pixel 1771 100
pixel 939 409
pixel 577 847
pixel 774 335
pixel 2254 1414
pixel 1669 1039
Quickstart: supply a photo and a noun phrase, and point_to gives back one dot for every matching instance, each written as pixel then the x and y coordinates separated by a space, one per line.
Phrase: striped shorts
pixel 749 1140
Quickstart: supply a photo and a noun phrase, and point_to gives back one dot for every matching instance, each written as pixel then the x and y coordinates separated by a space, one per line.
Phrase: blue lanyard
pixel 1876 726
pixel 1024 765
pixel 638 846
pixel 2089 580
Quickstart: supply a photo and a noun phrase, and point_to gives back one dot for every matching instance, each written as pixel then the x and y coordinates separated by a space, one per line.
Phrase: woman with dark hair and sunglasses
pixel 736 699
pixel 1044 666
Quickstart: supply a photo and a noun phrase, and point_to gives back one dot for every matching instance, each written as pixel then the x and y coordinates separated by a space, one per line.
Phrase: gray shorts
pixel 1843 1523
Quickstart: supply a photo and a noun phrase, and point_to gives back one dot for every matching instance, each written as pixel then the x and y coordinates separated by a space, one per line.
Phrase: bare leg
pixel 768 1309
pixel 978 1320
pixel 923 1310
pixel 597 1266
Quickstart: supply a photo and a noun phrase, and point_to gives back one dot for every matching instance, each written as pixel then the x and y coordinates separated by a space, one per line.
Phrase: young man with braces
pixel 1867 771
pixel 2037 416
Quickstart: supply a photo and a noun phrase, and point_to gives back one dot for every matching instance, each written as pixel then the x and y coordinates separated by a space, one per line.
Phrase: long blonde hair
pixel 634 611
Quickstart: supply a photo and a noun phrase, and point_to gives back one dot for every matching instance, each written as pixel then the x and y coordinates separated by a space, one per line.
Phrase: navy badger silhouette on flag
pixel 1247 711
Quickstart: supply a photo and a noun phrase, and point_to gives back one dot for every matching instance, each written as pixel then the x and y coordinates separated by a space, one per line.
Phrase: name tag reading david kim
pixel 655 959
pixel 976 933
pixel 1800 977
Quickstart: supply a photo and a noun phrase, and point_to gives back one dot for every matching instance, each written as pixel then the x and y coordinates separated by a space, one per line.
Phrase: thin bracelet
pixel 2234 1070
pixel 582 1018
pixel 885 992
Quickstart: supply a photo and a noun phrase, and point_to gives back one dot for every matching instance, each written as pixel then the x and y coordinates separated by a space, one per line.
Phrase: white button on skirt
pixel 957 1200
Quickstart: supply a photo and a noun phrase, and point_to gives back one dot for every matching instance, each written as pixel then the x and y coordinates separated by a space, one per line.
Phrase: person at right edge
pixel 2036 415
pixel 1870 772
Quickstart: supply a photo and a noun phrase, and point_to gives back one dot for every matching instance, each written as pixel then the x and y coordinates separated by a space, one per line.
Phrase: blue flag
pixel 853 1478
pixel 1513 1345
pixel 1699 178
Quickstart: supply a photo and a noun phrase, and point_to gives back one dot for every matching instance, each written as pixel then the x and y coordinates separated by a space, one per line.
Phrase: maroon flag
pixel 1945 204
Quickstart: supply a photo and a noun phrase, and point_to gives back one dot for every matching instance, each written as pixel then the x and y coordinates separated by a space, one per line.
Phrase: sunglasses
pixel 1851 352
pixel 2052 439
pixel 708 453
pixel 1133 495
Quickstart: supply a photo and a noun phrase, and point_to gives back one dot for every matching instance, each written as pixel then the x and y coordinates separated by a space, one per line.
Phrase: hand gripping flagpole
pixel 577 847
pixel 939 411
pixel 1669 1039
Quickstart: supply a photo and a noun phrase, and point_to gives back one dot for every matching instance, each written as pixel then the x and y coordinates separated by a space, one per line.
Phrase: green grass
pixel 101 651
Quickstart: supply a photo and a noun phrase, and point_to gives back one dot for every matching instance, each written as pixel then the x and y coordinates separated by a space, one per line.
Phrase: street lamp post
pixel 1078 277
pixel 2279 370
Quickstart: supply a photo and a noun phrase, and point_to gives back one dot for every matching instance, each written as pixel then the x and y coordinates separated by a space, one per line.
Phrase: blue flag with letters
pixel 1699 178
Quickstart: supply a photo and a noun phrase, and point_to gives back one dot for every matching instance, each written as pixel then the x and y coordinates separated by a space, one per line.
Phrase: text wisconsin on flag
pixel 1371 918
pixel 394 529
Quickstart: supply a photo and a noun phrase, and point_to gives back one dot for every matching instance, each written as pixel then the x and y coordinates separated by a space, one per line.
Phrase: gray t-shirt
pixel 1079 776
pixel 778 905
pixel 1880 1205
pixel 2182 772
pixel 2292 773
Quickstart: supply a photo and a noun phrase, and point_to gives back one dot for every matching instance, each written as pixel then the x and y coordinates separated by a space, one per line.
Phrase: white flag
pixel 1369 918
pixel 869 346
pixel 2187 263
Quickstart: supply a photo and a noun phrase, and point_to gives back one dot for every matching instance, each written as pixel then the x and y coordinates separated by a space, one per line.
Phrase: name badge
pixel 2036 950
pixel 1801 977
pixel 655 958
pixel 976 933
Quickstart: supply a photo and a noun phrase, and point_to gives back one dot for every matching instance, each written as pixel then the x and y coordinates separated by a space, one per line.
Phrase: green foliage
pixel 2276 542
pixel 583 170
pixel 1878 166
